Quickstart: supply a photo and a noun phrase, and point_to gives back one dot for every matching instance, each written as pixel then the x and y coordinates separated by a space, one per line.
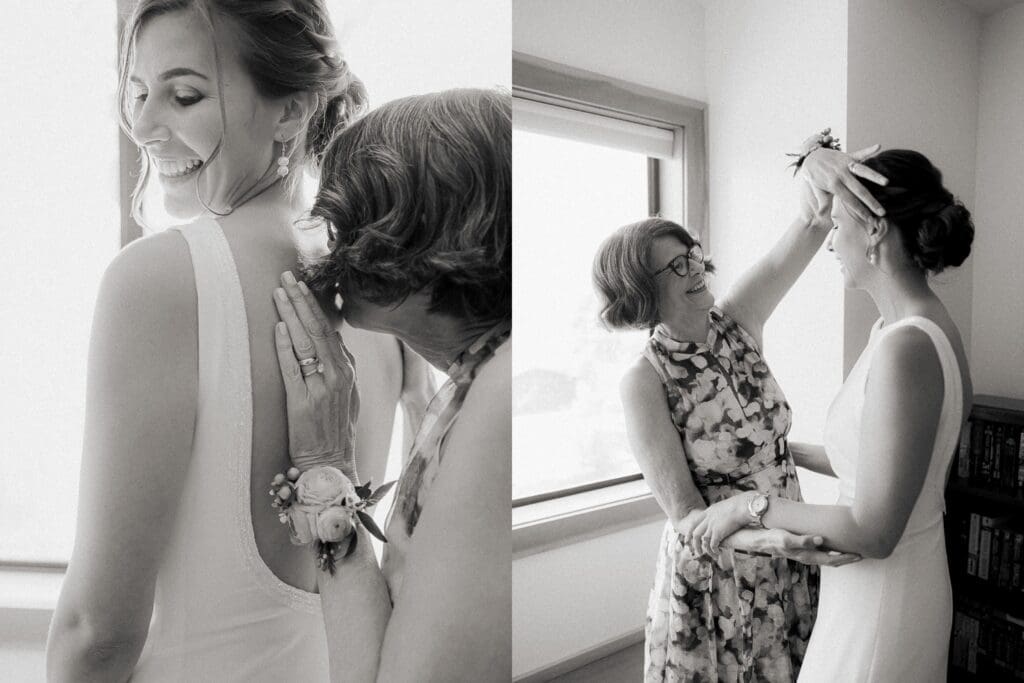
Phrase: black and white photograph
pixel 262 418
pixel 257 378
pixel 768 375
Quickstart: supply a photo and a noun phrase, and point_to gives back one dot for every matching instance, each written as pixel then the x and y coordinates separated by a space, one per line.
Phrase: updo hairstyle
pixel 936 229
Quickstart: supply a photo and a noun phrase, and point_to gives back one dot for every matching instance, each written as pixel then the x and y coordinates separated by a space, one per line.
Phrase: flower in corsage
pixel 322 506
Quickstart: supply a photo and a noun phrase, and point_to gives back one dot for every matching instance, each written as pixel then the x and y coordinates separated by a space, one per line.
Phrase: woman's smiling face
pixel 690 289
pixel 176 114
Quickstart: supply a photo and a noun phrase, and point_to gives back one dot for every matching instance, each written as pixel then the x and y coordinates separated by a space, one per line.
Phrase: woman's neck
pixel 270 214
pixel 900 293
pixel 686 324
pixel 441 339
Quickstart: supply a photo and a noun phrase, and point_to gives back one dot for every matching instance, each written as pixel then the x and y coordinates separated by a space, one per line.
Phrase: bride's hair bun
pixel 944 238
pixel 936 230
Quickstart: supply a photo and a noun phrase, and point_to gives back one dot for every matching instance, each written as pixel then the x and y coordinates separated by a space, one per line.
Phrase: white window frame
pixel 678 192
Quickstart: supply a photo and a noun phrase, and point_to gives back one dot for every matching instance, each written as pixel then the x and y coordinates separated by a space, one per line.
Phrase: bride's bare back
pixel 260 257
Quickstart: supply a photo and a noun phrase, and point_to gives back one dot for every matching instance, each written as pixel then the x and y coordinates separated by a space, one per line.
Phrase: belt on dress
pixel 781 458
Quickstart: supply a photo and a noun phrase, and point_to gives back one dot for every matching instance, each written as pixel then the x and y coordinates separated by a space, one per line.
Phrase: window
pixel 61 228
pixel 586 160
pixel 567 424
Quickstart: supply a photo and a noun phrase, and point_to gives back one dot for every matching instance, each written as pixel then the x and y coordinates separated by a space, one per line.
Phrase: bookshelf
pixel 985 543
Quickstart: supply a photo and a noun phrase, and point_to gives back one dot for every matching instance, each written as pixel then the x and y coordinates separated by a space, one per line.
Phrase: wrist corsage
pixel 822 139
pixel 322 506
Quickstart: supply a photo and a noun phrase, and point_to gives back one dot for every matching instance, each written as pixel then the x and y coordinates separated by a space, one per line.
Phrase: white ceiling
pixel 986 7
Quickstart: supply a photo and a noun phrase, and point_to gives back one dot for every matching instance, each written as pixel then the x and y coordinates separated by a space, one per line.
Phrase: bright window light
pixel 567 425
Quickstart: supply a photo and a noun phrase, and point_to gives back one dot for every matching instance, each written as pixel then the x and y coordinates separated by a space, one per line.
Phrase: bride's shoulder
pixel 149 287
pixel 156 268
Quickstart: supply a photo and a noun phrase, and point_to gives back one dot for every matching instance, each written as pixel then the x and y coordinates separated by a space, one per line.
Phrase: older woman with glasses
pixel 707 423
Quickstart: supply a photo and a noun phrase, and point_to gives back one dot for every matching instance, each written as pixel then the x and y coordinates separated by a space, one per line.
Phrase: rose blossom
pixel 333 524
pixel 323 485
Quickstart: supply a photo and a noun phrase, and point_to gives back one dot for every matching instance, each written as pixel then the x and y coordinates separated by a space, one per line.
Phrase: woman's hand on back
pixel 838 174
pixel 319 379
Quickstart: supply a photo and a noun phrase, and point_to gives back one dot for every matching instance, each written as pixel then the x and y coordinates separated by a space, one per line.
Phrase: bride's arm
pixel 902 404
pixel 140 416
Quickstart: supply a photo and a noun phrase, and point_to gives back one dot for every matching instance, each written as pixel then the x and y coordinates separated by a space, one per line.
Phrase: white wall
pixel 997 354
pixel 580 596
pixel 571 600
pixel 913 83
pixel 772 83
pixel 656 43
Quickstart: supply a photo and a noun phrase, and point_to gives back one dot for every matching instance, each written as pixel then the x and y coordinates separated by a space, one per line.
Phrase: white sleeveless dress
pixel 220 614
pixel 889 620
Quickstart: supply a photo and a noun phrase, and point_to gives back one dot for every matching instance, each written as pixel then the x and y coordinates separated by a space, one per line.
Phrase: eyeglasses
pixel 680 265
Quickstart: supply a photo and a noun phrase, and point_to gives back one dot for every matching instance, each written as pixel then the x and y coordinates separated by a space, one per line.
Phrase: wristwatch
pixel 757 506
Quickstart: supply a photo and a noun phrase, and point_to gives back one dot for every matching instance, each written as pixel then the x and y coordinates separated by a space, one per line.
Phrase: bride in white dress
pixel 889 438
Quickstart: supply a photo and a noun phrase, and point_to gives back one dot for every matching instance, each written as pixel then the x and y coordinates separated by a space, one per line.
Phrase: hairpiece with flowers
pixel 322 506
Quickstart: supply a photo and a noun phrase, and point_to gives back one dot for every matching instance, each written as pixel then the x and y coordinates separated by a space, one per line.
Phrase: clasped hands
pixel 704 530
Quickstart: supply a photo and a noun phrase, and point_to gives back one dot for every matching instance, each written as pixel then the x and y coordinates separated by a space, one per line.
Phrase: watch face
pixel 759 505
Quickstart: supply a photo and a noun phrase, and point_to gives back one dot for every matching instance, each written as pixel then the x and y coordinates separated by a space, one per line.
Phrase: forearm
pixel 356 610
pixel 676 493
pixel 841 526
pixel 811 457
pixel 748 540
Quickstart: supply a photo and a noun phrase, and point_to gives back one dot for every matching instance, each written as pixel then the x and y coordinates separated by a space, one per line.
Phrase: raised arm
pixel 140 417
pixel 657 446
pixel 824 174
pixel 902 404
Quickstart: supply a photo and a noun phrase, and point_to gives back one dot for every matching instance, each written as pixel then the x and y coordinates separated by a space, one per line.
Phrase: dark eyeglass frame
pixel 695 254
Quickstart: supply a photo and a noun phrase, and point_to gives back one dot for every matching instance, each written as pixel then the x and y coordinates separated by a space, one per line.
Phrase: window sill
pixel 555 523
pixel 27 599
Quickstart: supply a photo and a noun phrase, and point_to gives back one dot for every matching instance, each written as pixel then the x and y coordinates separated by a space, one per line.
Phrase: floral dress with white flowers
pixel 744 616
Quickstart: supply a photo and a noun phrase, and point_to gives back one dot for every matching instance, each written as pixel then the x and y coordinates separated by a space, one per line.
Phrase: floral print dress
pixel 744 616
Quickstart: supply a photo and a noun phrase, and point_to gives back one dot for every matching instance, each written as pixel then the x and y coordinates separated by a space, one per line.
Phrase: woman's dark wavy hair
pixel 936 229
pixel 622 277
pixel 287 46
pixel 417 196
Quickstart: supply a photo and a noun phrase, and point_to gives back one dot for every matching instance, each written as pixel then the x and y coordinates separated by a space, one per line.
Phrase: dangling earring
pixel 282 161
pixel 872 255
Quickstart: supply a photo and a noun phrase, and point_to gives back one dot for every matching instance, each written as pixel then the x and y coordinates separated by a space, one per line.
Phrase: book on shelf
pixel 990 455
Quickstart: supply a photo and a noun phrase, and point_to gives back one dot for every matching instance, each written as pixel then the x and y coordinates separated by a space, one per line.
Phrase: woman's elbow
pixel 78 646
pixel 878 544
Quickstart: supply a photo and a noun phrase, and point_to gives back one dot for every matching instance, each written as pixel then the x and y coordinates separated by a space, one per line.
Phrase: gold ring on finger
pixel 309 369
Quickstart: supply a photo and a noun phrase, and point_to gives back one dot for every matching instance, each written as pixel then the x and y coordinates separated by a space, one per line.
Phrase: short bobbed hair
pixel 622 276
pixel 935 229
pixel 417 198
